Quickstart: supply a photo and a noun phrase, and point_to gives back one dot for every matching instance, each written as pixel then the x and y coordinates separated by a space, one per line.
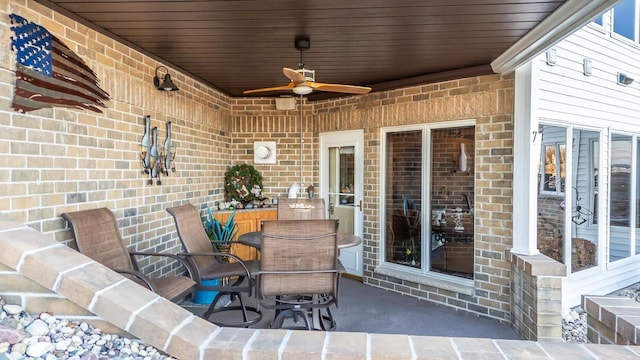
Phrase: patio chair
pixel 207 263
pixel 97 236
pixel 301 209
pixel 312 209
pixel 299 273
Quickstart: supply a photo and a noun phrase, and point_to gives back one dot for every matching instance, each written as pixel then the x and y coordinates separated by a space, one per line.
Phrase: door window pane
pixel 341 183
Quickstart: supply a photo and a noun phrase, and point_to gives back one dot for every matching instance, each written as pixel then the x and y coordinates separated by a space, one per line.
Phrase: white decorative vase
pixel 293 191
pixel 462 159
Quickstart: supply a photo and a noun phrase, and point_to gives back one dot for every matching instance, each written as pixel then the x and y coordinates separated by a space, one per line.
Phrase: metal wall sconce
pixel 624 79
pixel 156 162
pixel 167 84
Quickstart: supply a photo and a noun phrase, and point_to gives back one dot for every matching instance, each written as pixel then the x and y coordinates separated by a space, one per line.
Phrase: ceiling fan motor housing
pixel 309 75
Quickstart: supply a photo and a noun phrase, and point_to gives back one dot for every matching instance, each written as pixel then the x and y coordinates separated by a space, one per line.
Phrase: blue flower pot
pixel 206 297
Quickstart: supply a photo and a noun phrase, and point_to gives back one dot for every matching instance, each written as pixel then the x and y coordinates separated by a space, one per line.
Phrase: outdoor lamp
pixel 167 84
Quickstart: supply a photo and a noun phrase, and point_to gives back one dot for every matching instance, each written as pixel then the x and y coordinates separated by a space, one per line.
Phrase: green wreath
pixel 243 183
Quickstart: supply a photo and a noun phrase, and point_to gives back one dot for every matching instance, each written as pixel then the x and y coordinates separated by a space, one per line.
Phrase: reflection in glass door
pixel 341 196
pixel 567 222
pixel 403 198
pixel 452 201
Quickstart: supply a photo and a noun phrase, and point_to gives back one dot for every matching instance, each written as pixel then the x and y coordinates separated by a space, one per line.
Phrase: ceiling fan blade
pixel 275 88
pixel 293 75
pixel 347 89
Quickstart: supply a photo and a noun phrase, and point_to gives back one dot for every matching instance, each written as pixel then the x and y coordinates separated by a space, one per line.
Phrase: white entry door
pixel 341 182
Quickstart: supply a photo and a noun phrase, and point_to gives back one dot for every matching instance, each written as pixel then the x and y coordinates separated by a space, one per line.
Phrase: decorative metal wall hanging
pixel 169 152
pixel 49 74
pixel 156 160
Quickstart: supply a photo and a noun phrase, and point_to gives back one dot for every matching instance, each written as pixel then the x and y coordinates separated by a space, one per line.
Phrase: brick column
pixel 536 297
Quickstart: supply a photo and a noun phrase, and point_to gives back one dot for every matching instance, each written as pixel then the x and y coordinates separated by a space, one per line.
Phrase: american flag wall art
pixel 48 73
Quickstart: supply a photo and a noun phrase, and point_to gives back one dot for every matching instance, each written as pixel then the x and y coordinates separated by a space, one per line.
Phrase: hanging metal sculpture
pixel 146 144
pixel 156 160
pixel 169 153
pixel 154 157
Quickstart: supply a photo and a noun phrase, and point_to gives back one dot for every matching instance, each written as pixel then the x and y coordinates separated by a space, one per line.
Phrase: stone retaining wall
pixel 612 320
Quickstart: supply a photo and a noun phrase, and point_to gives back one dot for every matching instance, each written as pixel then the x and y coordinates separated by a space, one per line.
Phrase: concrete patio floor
pixel 364 308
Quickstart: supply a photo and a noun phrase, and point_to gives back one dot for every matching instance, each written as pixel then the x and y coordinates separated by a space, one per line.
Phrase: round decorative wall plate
pixel 264 152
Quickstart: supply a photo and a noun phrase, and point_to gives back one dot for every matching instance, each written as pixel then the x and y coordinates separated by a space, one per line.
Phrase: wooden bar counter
pixel 247 220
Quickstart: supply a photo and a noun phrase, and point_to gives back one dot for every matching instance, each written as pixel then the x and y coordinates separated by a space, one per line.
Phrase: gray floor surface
pixel 364 308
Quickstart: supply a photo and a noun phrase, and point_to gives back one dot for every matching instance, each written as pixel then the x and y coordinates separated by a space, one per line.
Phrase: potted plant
pixel 220 235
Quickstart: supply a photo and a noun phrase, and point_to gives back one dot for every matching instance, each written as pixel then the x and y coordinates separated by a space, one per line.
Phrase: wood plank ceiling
pixel 239 45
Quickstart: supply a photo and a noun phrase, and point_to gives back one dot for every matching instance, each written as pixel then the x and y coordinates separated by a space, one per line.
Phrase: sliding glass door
pixel 428 199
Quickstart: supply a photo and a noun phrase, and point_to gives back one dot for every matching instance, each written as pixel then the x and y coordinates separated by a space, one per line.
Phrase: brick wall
pixel 258 120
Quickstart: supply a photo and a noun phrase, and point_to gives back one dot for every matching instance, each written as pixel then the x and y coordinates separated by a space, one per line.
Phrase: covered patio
pixel 61 159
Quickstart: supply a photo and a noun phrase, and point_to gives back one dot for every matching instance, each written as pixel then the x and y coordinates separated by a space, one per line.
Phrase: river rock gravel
pixel 46 337
pixel 574 327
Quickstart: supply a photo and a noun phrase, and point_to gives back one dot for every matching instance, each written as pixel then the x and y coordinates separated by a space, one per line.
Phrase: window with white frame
pixel 428 217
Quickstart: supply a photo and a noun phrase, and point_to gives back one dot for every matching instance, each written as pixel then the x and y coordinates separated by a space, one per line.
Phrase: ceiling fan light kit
pixel 302 90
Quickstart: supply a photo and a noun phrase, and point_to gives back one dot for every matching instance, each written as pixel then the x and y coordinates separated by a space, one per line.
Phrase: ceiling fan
pixel 303 80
